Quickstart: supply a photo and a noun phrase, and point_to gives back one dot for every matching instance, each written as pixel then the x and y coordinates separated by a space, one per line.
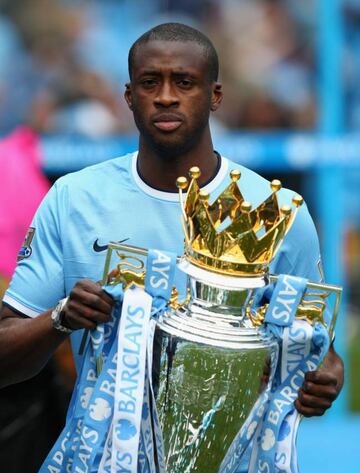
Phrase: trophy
pixel 213 362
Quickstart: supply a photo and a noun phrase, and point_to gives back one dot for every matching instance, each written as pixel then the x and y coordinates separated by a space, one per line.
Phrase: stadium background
pixel 291 110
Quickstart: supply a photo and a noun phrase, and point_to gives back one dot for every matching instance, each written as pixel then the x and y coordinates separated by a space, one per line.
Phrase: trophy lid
pixel 224 235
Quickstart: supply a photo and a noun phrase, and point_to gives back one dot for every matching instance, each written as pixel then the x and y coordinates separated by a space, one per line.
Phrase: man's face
pixel 171 95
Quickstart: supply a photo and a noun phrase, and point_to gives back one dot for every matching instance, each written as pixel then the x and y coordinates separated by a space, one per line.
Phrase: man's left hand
pixel 321 387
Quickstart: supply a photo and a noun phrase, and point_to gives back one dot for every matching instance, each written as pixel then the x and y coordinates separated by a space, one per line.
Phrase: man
pixel 173 87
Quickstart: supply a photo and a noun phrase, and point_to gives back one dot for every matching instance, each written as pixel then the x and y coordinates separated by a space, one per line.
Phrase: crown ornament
pixel 226 235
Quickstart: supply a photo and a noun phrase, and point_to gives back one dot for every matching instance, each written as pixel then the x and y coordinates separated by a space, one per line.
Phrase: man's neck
pixel 161 172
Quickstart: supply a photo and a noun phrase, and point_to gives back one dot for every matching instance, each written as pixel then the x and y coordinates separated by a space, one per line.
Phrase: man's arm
pixel 27 343
pixel 321 387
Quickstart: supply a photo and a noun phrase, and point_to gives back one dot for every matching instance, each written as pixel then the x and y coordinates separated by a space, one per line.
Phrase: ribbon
pixel 303 348
pixel 296 345
pixel 275 446
pixel 63 455
pixel 285 299
pixel 112 423
pixel 266 442
pixel 130 379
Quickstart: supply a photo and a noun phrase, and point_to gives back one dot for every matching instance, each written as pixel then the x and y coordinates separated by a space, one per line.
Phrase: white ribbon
pixel 130 380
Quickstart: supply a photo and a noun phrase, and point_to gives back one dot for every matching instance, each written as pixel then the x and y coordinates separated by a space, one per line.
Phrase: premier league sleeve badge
pixel 26 250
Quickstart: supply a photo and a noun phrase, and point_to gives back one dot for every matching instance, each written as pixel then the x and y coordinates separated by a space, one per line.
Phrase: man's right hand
pixel 87 306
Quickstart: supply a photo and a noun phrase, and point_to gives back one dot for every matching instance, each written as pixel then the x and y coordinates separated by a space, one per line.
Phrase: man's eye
pixel 148 82
pixel 185 83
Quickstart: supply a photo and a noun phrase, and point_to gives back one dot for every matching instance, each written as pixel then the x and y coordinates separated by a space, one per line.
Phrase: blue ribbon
pixel 285 299
pixel 282 401
pixel 87 441
pixel 274 427
pixel 275 421
pixel 62 457
pixel 160 273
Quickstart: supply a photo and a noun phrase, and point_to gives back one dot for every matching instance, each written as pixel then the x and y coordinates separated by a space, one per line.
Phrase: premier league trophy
pixel 214 363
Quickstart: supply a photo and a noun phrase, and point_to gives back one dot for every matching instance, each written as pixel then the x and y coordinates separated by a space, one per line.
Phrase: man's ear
pixel 127 95
pixel 216 96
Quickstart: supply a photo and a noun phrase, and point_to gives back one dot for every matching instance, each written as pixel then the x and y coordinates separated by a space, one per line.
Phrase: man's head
pixel 179 33
pixel 173 87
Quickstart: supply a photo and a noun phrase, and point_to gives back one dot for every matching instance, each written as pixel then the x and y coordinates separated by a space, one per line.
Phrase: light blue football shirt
pixel 109 202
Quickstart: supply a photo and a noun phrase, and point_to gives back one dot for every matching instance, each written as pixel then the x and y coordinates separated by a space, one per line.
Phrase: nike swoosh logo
pixel 98 248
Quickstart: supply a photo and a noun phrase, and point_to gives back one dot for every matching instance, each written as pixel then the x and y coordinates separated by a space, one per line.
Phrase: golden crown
pixel 227 236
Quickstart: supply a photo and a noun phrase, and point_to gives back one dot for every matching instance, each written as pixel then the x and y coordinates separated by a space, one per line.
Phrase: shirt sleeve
pixel 38 281
pixel 299 254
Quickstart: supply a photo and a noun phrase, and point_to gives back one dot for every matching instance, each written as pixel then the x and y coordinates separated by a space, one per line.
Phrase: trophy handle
pixel 128 277
pixel 118 247
pixel 311 308
pixel 313 304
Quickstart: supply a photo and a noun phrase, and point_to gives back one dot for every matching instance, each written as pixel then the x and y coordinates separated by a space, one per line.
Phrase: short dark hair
pixel 182 33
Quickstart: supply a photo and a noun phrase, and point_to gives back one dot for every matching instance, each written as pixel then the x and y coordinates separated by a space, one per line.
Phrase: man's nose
pixel 166 96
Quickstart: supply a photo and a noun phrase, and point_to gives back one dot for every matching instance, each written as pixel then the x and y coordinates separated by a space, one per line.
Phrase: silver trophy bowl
pixel 212 366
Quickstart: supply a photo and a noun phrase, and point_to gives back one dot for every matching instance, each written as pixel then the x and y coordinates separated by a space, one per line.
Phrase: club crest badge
pixel 26 250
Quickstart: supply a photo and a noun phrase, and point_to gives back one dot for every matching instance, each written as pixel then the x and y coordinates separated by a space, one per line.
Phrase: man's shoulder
pixel 98 175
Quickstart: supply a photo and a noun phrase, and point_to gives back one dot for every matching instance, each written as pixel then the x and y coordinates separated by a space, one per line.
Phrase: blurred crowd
pixel 63 64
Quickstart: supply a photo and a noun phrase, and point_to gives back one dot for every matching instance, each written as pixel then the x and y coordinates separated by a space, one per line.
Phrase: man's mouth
pixel 167 122
pixel 167 126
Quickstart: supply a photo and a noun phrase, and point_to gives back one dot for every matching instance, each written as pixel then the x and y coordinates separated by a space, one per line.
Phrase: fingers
pixel 83 316
pixel 328 391
pixel 90 290
pixel 95 300
pixel 317 394
pixel 321 377
pixel 87 306
pixel 310 405
pixel 309 411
